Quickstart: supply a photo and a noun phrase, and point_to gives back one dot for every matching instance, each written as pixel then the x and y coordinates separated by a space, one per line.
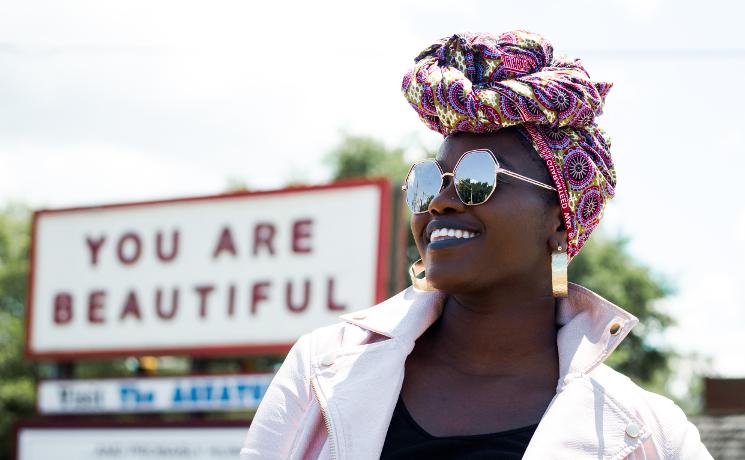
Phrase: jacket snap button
pixel 328 359
pixel 359 316
pixel 632 429
pixel 615 328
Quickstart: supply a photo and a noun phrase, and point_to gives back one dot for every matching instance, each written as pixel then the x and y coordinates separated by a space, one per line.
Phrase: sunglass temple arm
pixel 526 179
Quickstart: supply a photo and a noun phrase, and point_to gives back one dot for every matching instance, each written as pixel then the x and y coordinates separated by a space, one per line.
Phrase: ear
pixel 558 233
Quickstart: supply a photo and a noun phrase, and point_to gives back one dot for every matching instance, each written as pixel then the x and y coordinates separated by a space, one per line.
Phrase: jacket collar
pixel 591 327
pixel 584 421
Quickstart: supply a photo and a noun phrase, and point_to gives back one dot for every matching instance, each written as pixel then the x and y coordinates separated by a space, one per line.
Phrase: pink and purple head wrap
pixel 481 83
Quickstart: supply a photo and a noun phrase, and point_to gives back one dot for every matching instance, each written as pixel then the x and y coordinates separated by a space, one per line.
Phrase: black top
pixel 407 440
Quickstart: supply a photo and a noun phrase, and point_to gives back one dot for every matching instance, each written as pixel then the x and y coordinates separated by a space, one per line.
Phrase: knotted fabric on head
pixel 481 83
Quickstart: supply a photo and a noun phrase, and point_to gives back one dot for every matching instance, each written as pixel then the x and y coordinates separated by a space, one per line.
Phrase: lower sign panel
pixel 130 443
pixel 153 394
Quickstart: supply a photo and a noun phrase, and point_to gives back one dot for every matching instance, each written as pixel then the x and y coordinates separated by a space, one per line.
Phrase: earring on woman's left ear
pixel 559 266
pixel 418 277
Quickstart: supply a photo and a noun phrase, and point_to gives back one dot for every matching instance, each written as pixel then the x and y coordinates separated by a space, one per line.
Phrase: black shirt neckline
pixel 410 420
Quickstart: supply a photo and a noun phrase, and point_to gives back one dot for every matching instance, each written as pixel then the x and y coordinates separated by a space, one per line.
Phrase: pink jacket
pixel 334 396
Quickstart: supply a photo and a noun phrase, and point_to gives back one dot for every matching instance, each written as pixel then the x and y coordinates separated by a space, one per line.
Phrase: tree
pixel 603 265
pixel 362 156
pixel 17 376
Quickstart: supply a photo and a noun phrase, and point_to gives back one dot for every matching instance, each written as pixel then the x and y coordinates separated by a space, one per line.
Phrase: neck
pixel 508 331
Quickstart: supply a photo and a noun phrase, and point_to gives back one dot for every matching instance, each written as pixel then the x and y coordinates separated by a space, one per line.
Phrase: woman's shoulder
pixel 622 387
pixel 661 415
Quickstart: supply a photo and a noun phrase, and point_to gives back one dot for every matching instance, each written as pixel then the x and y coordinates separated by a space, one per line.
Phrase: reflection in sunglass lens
pixel 475 177
pixel 422 185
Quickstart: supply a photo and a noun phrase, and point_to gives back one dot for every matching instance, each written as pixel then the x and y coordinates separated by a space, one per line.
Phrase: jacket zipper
pixel 326 420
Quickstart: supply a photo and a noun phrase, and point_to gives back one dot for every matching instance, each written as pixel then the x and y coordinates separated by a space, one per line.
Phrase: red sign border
pixel 381 280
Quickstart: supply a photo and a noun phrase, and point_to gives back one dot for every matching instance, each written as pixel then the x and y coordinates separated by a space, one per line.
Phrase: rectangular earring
pixel 559 266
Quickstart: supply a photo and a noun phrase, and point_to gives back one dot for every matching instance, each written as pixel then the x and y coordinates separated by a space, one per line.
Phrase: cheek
pixel 418 225
pixel 518 226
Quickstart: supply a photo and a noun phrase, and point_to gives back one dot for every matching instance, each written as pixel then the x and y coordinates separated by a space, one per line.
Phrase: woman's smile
pixel 449 233
pixel 441 233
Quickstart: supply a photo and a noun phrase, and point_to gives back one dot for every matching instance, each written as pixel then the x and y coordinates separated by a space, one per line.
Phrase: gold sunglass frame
pixel 498 169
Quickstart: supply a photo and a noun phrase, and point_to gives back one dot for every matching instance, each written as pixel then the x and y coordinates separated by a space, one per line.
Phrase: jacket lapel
pixel 586 420
pixel 359 387
pixel 360 391
pixel 590 329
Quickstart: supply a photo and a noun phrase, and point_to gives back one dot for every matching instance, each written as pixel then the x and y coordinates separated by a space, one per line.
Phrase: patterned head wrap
pixel 480 83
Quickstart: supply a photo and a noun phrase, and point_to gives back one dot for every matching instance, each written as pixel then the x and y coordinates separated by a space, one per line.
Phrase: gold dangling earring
pixel 418 277
pixel 559 265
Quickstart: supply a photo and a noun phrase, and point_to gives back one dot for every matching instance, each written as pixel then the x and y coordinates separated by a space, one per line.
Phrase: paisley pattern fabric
pixel 480 83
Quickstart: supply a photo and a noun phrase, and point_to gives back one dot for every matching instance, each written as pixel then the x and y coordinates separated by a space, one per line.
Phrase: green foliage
pixel 474 192
pixel 14 246
pixel 605 267
pixel 360 156
pixel 17 376
pixel 235 184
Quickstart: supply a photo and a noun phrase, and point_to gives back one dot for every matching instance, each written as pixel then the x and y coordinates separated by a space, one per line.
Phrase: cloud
pixel 643 10
pixel 94 173
pixel 740 227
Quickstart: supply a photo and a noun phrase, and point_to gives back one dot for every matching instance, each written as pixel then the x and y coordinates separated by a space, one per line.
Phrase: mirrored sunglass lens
pixel 422 185
pixel 475 177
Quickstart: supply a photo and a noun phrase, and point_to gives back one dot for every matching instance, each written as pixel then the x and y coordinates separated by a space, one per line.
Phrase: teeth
pixel 449 233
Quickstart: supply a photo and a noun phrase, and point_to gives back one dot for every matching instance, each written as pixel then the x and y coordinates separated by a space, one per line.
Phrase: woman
pixel 491 354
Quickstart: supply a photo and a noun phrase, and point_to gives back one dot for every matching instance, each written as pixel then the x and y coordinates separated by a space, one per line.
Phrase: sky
pixel 104 101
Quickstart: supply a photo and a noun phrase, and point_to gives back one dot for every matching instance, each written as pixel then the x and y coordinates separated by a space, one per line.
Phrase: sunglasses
pixel 475 178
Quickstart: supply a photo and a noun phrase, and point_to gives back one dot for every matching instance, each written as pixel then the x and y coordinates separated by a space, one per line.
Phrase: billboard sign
pixel 152 394
pixel 237 273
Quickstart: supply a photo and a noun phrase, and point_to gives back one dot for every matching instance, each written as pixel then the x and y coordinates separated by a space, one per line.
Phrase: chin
pixel 448 281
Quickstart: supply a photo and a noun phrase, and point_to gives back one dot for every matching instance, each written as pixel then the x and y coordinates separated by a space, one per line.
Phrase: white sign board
pixel 153 394
pixel 214 443
pixel 245 272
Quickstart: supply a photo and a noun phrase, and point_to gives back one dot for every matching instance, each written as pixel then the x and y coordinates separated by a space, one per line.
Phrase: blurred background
pixel 109 102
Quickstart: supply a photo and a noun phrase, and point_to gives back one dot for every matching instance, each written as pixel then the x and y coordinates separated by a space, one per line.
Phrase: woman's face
pixel 516 229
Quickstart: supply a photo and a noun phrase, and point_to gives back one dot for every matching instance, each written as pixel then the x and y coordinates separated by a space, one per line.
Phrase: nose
pixel 447 200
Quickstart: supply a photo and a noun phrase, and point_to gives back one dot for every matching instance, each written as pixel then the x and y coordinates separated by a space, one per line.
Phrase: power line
pixel 731 53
